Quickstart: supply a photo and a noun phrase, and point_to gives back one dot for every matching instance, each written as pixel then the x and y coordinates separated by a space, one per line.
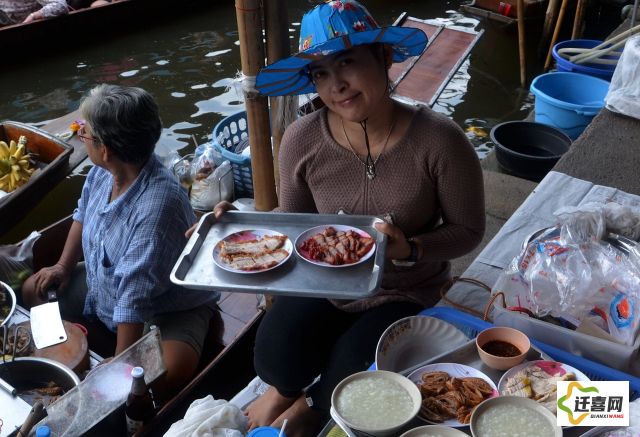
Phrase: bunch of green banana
pixel 14 164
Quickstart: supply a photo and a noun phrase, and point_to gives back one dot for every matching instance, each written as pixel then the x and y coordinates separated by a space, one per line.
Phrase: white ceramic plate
pixel 551 367
pixel 455 370
pixel 249 234
pixel 319 229
pixel 414 340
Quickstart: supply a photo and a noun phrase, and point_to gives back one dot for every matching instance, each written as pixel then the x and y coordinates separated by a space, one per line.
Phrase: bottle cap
pixel 43 431
pixel 137 372
pixel 265 431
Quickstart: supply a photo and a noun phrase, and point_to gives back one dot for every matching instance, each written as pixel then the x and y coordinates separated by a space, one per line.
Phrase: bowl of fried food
pixel 502 347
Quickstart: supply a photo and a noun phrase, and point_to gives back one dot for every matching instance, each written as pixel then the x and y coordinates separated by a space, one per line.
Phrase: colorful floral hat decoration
pixel 330 28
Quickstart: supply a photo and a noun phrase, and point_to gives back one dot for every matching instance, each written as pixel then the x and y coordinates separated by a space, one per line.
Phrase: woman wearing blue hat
pixel 363 153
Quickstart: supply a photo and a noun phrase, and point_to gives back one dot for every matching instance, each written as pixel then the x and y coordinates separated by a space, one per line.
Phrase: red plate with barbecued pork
pixel 252 251
pixel 335 246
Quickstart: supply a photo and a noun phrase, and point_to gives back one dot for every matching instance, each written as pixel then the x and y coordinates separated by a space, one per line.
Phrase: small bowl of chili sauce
pixel 501 347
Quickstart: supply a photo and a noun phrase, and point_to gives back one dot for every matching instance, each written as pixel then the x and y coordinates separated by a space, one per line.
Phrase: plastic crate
pixel 226 136
pixel 471 326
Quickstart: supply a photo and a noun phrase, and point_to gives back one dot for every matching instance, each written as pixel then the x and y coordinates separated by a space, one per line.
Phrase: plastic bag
pixel 624 91
pixel 574 276
pixel 210 188
pixel 16 262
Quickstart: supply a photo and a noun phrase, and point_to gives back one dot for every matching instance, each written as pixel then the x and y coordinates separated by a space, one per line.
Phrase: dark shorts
pixel 189 326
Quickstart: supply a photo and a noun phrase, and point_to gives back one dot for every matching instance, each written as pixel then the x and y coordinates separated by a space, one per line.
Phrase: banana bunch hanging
pixel 14 164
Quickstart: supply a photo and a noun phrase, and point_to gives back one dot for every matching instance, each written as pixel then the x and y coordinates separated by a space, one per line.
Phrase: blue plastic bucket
pixel 568 101
pixel 601 71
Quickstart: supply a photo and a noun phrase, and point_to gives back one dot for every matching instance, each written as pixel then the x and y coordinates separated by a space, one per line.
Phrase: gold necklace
pixel 369 164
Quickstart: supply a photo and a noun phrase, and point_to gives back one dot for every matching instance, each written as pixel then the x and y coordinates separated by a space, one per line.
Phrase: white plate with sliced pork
pixel 335 246
pixel 252 251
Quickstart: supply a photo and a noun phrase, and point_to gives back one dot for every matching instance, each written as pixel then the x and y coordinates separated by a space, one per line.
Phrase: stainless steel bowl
pixel 10 294
pixel 620 242
pixel 30 372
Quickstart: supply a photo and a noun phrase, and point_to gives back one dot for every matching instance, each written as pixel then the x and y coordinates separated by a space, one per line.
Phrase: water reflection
pixel 189 65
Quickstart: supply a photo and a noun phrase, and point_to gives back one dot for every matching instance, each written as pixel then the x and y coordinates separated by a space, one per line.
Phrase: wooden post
pixel 577 21
pixel 278 47
pixel 249 16
pixel 549 19
pixel 521 44
pixel 556 32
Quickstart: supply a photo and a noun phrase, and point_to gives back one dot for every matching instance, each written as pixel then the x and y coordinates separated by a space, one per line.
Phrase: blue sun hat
pixel 330 28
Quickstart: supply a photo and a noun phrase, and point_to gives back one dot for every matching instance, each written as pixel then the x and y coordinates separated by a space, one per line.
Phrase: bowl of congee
pixel 501 347
pixel 513 416
pixel 378 403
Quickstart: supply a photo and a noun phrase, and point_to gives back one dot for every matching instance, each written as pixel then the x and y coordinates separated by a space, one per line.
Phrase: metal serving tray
pixel 296 277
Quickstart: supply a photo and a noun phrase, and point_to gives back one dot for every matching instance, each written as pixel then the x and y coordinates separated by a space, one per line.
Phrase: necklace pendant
pixel 371 172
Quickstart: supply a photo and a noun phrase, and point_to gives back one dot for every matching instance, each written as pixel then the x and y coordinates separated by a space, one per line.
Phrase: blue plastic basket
pixel 471 326
pixel 227 134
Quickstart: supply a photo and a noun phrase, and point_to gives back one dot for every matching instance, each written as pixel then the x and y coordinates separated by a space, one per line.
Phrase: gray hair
pixel 124 119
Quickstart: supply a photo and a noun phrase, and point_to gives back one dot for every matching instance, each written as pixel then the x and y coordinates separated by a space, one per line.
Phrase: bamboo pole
pixel 556 32
pixel 577 21
pixel 521 44
pixel 549 19
pixel 278 47
pixel 249 17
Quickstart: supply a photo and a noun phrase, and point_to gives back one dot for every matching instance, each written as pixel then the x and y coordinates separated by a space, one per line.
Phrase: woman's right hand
pixel 218 211
pixel 55 276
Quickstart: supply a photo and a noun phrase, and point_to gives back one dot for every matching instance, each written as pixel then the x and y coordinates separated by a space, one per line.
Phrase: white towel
pixel 208 417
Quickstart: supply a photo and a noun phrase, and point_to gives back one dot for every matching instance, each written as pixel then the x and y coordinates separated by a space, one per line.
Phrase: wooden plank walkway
pixel 420 80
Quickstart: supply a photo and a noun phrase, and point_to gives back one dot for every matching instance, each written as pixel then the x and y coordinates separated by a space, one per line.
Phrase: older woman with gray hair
pixel 129 226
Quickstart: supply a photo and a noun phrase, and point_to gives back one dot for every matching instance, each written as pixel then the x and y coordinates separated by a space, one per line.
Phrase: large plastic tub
pixel 601 71
pixel 527 149
pixel 568 101
pixel 618 356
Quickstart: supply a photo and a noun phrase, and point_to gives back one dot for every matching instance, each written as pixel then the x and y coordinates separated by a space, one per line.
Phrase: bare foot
pixel 267 408
pixel 302 420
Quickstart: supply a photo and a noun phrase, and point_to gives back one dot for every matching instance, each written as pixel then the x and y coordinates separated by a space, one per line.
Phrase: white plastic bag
pixel 574 276
pixel 217 186
pixel 624 92
pixel 16 262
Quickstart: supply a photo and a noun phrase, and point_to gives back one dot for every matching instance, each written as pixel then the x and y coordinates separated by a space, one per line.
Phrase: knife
pixel 46 324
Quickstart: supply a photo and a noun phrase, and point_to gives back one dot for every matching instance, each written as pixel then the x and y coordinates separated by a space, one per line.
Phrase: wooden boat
pixel 226 365
pixel 51 156
pixel 48 37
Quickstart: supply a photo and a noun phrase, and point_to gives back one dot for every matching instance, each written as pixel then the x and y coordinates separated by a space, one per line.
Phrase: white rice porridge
pixel 513 421
pixel 374 403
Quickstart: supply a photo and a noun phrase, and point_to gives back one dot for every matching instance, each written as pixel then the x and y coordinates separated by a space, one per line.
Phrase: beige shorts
pixel 189 326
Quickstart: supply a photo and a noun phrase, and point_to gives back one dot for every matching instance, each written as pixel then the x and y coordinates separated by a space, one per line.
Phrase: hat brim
pixel 289 76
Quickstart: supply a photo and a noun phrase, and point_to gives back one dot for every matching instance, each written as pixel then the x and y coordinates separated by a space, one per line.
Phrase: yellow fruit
pixel 12 147
pixel 4 150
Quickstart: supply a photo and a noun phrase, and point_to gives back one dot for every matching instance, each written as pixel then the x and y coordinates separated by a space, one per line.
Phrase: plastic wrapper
pixel 212 186
pixel 624 91
pixel 571 274
pixel 16 262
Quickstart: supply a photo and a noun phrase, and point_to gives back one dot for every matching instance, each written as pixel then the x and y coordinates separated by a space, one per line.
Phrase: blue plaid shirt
pixel 131 244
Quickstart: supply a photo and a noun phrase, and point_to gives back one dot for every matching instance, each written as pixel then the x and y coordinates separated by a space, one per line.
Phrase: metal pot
pixel 7 292
pixel 29 372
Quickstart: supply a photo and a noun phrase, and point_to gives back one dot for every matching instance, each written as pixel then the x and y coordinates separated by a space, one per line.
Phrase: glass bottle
pixel 139 407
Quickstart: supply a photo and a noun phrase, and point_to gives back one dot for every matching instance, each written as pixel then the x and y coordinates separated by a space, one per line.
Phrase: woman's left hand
pixel 397 244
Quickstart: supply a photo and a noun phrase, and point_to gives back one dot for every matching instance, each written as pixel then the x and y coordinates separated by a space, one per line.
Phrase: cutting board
pixel 73 353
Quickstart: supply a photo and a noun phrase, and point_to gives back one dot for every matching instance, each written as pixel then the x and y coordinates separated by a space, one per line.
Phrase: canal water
pixel 189 63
